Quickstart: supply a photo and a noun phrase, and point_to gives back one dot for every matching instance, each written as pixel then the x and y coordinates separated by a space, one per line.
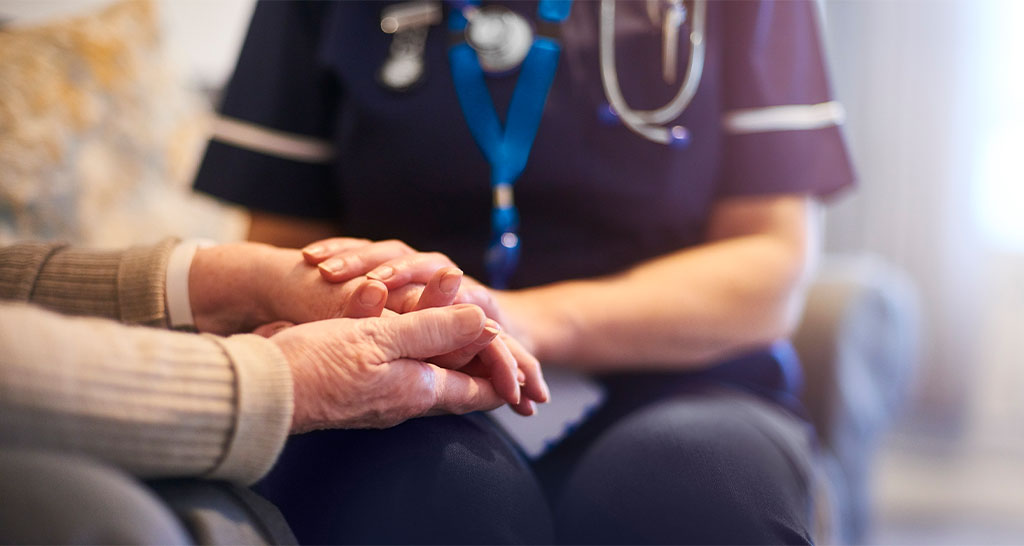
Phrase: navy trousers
pixel 703 465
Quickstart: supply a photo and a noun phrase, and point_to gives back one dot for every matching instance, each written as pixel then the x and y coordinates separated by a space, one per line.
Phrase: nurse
pixel 672 273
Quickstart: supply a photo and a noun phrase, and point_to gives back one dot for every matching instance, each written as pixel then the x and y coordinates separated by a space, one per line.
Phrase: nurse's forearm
pixel 686 309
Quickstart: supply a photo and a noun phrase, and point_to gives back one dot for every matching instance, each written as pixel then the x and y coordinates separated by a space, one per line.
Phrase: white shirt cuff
pixel 179 305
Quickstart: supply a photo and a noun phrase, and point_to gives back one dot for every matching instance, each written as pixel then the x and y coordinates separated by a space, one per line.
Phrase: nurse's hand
pixel 405 271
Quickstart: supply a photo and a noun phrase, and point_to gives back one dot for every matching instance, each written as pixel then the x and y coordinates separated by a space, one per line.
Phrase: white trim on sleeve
pixel 271 142
pixel 179 305
pixel 790 117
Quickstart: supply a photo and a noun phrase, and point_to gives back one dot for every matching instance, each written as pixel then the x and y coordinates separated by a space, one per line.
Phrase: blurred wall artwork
pixel 99 136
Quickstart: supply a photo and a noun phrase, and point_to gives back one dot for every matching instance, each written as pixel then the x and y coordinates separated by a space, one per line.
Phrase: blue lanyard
pixel 506 149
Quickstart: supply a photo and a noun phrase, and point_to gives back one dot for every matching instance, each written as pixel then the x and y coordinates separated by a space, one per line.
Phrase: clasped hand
pixel 365 353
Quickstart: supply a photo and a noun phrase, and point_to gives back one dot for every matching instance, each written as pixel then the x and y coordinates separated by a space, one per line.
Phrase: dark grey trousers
pixel 701 465
pixel 53 498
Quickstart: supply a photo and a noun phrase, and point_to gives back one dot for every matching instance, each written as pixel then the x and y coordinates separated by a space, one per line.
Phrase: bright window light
pixel 999 192
pixel 999 186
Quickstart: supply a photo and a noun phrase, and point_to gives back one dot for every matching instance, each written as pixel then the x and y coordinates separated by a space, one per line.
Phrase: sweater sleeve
pixel 153 402
pixel 124 285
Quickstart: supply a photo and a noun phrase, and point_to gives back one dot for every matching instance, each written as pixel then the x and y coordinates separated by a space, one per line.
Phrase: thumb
pixel 272 328
pixel 426 333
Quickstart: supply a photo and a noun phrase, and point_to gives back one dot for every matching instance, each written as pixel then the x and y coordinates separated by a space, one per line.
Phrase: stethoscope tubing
pixel 650 123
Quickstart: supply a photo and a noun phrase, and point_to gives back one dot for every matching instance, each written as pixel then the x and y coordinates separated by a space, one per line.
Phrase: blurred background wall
pixel 934 92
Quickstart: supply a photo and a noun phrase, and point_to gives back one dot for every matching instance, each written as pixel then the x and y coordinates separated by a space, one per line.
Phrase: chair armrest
pixel 857 341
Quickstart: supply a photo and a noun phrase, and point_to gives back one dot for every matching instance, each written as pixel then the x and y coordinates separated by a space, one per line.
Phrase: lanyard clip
pixel 502 255
pixel 502 258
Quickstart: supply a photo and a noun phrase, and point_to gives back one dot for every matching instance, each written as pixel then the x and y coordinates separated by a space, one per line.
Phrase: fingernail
pixel 371 294
pixel 519 395
pixel 521 377
pixel 315 250
pixel 450 281
pixel 492 327
pixel 333 266
pixel 382 273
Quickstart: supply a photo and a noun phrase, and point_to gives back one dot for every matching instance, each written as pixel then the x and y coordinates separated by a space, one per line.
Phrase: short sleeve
pixel 781 122
pixel 271 147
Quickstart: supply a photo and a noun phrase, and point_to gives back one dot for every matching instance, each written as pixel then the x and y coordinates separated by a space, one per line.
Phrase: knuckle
pixel 464 354
pixel 355 262
pixel 397 246
pixel 424 389
pixel 345 246
pixel 458 358
pixel 436 257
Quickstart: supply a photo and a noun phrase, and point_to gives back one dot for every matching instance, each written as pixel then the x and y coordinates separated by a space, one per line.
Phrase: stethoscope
pixel 654 125
pixel 493 41
pixel 502 39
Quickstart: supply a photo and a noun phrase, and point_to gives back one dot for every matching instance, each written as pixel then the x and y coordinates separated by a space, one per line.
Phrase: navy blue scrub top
pixel 594 198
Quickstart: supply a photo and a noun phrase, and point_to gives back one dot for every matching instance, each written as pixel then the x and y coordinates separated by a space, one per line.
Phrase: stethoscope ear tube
pixel 650 124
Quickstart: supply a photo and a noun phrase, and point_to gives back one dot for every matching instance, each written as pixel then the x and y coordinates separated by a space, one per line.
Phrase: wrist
pixel 537 322
pixel 301 392
pixel 226 288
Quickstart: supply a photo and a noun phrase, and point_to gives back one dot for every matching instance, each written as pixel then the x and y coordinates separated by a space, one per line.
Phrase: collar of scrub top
pixel 505 148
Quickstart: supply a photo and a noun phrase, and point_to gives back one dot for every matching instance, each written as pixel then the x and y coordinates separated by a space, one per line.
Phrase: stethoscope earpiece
pixel 677 137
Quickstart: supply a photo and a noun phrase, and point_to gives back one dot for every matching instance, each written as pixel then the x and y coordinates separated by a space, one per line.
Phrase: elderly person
pixel 82 396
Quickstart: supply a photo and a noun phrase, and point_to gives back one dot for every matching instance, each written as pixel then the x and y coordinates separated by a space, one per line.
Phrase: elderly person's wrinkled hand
pixel 375 373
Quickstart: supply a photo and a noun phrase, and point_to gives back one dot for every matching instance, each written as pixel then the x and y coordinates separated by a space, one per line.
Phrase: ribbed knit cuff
pixel 141 281
pixel 19 266
pixel 127 286
pixel 79 282
pixel 264 407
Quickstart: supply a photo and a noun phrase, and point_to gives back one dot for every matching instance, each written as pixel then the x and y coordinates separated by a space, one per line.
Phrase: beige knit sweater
pixel 151 401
